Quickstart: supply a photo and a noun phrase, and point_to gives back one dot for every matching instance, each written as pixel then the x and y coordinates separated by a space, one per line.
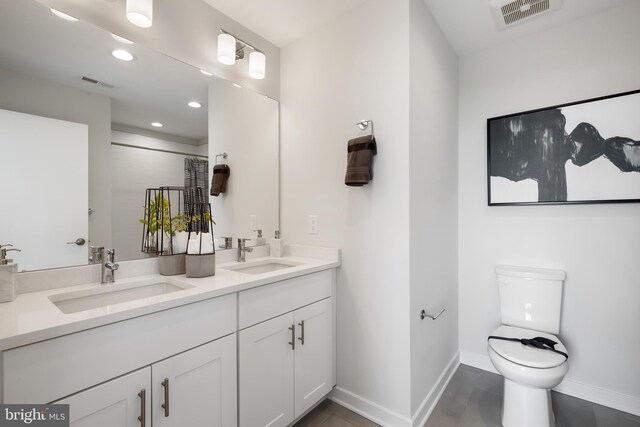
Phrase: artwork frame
pixel 548 146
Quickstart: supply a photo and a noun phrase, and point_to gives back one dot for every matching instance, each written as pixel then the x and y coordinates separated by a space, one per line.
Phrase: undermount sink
pixel 73 302
pixel 261 266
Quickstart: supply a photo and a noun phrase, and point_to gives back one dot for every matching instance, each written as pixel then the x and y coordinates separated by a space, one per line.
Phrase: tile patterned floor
pixel 330 414
pixel 473 398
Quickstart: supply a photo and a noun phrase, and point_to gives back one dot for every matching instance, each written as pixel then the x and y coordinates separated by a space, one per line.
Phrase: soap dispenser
pixel 260 240
pixel 8 270
pixel 277 247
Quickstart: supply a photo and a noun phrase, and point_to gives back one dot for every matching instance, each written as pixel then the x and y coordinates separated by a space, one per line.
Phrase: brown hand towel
pixel 219 181
pixel 360 152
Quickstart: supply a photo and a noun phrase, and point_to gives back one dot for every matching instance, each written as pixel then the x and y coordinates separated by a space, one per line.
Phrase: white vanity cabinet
pixel 286 363
pixel 101 372
pixel 257 357
pixel 119 402
pixel 195 388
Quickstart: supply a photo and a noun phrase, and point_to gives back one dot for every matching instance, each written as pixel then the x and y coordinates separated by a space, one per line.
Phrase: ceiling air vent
pixel 509 12
pixel 97 82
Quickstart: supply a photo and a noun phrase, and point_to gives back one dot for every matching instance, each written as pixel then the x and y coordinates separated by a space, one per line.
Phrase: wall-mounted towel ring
pixel 364 125
pixel 360 152
pixel 223 155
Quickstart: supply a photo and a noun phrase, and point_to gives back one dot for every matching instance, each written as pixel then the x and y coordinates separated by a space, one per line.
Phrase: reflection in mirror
pixel 83 135
pixel 244 124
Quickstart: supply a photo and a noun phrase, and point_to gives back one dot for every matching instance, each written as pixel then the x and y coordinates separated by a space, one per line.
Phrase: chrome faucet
pixel 243 249
pixel 109 266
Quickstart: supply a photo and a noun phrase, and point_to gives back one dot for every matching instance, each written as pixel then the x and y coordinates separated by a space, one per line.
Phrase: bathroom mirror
pixel 80 140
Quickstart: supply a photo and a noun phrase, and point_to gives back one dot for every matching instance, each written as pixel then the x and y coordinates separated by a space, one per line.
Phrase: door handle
pixel 143 407
pixel 301 324
pixel 292 328
pixel 165 405
pixel 79 241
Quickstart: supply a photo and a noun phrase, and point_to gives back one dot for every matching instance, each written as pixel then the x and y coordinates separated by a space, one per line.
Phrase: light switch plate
pixel 313 224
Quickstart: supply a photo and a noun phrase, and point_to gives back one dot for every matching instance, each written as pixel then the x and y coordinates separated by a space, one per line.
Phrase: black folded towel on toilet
pixel 360 152
pixel 219 181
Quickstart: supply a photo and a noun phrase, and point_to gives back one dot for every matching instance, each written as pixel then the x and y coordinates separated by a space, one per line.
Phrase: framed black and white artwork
pixel 582 152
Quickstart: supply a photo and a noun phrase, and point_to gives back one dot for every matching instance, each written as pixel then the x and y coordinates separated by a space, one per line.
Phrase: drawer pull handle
pixel 165 405
pixel 143 407
pixel 292 328
pixel 301 324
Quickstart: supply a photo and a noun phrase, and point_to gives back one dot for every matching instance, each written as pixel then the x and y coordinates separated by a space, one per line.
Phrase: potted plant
pixel 161 224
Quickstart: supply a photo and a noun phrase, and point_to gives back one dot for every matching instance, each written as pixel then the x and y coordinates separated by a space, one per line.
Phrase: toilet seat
pixel 525 355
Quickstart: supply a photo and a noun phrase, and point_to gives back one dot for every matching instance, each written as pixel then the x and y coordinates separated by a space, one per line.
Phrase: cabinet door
pixel 314 354
pixel 266 373
pixel 197 388
pixel 117 403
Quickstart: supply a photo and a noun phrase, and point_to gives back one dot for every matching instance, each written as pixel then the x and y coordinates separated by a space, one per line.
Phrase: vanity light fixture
pixel 123 55
pixel 64 15
pixel 140 13
pixel 231 49
pixel 121 39
pixel 194 104
pixel 206 73
pixel 157 124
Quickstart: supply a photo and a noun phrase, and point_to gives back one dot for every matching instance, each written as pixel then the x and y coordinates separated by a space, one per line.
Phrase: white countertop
pixel 32 317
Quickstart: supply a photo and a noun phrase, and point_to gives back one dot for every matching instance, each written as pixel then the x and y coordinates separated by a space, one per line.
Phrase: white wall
pixel 33 96
pixel 135 170
pixel 433 206
pixel 352 69
pixel 597 245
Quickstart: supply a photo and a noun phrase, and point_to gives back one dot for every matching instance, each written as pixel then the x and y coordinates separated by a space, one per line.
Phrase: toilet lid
pixel 523 354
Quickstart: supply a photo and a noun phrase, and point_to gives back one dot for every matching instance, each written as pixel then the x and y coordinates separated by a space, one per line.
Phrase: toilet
pixel 530 304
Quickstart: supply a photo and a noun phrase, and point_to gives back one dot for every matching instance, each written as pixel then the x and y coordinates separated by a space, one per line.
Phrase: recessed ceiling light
pixel 157 124
pixel 206 73
pixel 123 55
pixel 64 15
pixel 237 85
pixel 194 104
pixel 121 39
pixel 140 12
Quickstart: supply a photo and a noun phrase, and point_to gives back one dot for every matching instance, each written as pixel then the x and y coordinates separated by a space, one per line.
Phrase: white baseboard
pixel 387 418
pixel 368 409
pixel 595 394
pixel 431 400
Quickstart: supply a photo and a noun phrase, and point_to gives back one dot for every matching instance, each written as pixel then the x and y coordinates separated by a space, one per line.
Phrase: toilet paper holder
pixel 424 314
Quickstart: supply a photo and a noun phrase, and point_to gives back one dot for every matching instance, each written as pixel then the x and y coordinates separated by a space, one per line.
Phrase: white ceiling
pixel 283 21
pixel 468 24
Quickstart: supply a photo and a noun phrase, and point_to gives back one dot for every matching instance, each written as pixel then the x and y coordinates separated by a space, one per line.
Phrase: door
pixel 44 164
pixel 117 403
pixel 197 388
pixel 314 354
pixel 266 373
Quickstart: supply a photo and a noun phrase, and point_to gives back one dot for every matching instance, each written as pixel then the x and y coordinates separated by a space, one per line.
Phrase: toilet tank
pixel 530 298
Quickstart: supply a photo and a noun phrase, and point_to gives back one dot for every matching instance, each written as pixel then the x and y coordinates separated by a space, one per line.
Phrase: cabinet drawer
pixel 49 370
pixel 268 301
